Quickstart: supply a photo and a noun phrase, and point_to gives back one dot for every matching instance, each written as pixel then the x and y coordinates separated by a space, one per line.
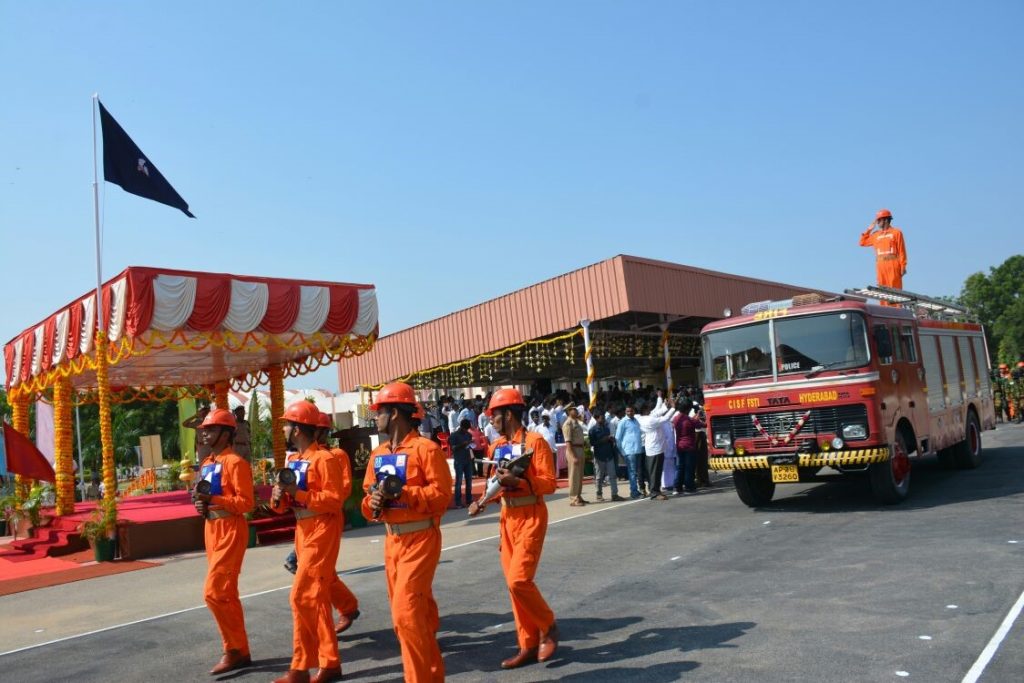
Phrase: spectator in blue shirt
pixel 630 440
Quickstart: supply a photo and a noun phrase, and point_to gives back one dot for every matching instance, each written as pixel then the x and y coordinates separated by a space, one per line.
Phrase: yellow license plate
pixel 785 473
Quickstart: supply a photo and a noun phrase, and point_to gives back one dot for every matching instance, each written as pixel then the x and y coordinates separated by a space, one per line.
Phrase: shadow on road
pixel 932 484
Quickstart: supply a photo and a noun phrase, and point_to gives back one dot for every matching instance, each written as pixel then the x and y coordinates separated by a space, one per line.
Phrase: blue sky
pixel 449 152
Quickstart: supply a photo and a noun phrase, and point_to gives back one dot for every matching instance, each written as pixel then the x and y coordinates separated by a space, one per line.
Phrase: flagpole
pixel 96 216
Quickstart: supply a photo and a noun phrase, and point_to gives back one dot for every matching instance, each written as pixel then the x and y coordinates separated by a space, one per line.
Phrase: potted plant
pixel 23 515
pixel 99 530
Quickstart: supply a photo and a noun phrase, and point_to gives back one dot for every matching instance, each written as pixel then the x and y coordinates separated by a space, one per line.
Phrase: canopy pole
pixel 587 356
pixel 276 411
pixel 63 447
pixel 78 434
pixel 668 358
pixel 220 395
pixel 19 420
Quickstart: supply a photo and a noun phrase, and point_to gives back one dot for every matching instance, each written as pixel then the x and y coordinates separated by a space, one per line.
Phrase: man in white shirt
pixel 545 430
pixel 654 442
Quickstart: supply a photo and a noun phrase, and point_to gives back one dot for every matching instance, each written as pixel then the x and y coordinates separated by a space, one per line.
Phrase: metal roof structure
pixel 624 297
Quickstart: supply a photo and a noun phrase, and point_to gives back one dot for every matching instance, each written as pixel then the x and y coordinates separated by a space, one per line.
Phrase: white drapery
pixel 367 318
pixel 248 306
pixel 174 297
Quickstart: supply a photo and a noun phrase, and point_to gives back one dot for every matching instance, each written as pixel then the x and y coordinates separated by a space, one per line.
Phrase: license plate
pixel 785 473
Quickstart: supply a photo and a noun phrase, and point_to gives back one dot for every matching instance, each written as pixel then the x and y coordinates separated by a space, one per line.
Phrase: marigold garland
pixel 62 447
pixel 330 348
pixel 106 432
pixel 19 420
pixel 220 394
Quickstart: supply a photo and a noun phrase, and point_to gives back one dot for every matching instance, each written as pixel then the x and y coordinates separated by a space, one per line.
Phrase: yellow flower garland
pixel 62 447
pixel 19 420
pixel 106 432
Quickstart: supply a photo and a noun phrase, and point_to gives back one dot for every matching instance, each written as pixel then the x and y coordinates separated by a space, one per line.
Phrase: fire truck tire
pixel 890 480
pixel 967 453
pixel 754 488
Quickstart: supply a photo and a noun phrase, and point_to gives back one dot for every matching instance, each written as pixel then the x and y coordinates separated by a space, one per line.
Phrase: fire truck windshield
pixel 807 344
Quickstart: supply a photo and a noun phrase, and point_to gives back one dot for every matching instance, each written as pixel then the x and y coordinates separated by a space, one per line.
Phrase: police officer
pixel 226 532
pixel 411 516
pixel 524 523
pixel 316 499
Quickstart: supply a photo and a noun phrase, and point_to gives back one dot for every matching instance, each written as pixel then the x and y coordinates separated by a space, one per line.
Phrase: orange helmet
pixel 303 413
pixel 219 418
pixel 883 213
pixel 1003 366
pixel 325 421
pixel 1020 364
pixel 396 392
pixel 503 398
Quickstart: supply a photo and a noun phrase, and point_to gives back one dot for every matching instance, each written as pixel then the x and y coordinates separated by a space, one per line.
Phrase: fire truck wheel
pixel 967 453
pixel 890 480
pixel 753 487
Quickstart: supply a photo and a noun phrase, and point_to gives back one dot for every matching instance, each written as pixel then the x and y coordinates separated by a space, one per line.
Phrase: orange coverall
pixel 890 255
pixel 522 539
pixel 411 559
pixel 226 539
pixel 317 541
pixel 341 597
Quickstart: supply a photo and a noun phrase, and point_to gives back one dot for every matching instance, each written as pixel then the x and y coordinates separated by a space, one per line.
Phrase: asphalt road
pixel 823 585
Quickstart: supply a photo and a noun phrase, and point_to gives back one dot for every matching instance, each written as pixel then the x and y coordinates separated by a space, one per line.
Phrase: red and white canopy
pixel 178 328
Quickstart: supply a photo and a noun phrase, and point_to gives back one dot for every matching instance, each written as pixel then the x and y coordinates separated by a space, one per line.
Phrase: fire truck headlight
pixel 855 431
pixel 740 450
pixel 723 439
pixel 837 443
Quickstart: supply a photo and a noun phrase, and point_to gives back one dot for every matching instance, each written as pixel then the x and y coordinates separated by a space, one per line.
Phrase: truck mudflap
pixel 847 458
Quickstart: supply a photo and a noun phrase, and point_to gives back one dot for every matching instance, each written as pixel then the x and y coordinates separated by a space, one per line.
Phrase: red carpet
pixel 16 577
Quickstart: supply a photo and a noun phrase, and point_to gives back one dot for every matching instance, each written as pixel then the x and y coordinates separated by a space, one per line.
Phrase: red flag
pixel 24 458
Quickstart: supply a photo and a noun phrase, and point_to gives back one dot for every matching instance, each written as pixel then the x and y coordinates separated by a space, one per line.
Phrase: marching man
pixel 411 512
pixel 524 523
pixel 316 498
pixel 229 478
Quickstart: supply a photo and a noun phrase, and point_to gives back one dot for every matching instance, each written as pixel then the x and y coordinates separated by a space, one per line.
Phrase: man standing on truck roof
pixel 890 251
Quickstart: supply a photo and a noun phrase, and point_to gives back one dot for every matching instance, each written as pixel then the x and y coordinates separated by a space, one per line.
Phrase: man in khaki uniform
pixel 573 433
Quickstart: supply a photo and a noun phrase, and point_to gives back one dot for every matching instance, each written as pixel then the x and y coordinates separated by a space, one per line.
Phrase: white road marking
pixel 903 674
pixel 767 523
pixel 950 606
pixel 924 637
pixel 993 645
pixel 677 557
pixel 288 587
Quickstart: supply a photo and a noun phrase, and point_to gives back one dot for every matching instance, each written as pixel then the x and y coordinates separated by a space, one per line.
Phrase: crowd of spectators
pixel 653 441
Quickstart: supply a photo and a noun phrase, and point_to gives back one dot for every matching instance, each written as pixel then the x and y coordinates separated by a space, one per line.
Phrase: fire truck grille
pixel 822 421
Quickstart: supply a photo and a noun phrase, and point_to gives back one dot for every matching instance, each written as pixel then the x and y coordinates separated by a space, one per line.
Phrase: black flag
pixel 124 164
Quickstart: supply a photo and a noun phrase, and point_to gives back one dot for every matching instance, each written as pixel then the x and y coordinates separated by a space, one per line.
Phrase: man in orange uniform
pixel 890 252
pixel 317 500
pixel 342 598
pixel 226 534
pixel 412 518
pixel 524 523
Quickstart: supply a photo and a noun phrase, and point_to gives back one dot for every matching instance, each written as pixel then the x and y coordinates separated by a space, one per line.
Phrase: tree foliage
pixel 998 301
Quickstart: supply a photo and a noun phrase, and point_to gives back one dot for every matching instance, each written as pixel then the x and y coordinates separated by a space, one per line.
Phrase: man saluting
pixel 890 251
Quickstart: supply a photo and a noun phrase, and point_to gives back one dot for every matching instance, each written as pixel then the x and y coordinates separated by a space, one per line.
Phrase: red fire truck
pixel 793 387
